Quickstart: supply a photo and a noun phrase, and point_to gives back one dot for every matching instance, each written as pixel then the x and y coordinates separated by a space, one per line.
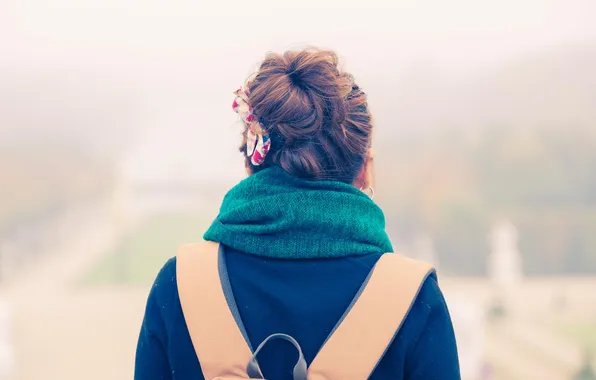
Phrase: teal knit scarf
pixel 274 214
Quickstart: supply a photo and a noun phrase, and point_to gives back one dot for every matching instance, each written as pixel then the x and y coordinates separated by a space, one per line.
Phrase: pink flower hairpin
pixel 258 142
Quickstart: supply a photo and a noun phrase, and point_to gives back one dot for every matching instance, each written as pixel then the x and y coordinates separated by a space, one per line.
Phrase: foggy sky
pixel 140 36
pixel 98 69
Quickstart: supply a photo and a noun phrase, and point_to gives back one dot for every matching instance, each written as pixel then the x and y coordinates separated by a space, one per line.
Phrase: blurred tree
pixel 587 371
pixel 453 184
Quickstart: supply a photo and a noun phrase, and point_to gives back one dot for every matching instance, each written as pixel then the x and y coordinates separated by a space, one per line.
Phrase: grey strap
pixel 254 371
pixel 217 340
pixel 227 290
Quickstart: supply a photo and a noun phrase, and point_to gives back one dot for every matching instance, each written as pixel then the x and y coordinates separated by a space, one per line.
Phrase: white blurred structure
pixel 7 356
pixel 468 322
pixel 186 157
pixel 505 262
pixel 7 259
pixel 424 250
pixel 467 317
pixel 151 182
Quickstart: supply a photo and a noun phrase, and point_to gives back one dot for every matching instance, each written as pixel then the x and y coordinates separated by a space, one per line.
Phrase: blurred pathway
pixel 70 333
pixel 525 350
pixel 64 332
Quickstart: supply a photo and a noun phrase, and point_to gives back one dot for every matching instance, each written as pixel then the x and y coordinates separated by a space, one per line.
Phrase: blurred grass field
pixel 139 256
pixel 583 334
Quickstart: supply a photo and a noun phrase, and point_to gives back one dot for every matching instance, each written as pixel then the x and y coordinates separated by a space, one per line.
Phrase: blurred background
pixel 117 143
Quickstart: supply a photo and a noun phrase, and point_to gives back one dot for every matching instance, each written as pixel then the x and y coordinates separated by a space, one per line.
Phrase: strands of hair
pixel 316 115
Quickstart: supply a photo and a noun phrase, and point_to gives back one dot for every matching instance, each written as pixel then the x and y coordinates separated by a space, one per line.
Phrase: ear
pixel 365 177
pixel 248 167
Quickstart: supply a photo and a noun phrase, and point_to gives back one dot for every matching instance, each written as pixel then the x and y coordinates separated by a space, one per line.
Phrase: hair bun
pixel 297 92
pixel 305 101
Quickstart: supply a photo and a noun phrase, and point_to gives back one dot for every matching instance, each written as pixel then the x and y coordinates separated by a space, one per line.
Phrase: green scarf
pixel 274 214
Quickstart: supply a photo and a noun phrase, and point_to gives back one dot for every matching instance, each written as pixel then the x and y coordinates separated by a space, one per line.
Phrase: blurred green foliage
pixel 582 333
pixel 36 179
pixel 139 256
pixel 453 184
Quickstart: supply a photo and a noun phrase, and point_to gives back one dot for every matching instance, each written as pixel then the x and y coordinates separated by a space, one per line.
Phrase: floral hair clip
pixel 258 141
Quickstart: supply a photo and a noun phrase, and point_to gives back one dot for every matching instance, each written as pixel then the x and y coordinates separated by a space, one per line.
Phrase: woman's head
pixel 316 117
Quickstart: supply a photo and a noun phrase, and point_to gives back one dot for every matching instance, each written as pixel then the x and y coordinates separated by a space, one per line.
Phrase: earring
pixel 372 192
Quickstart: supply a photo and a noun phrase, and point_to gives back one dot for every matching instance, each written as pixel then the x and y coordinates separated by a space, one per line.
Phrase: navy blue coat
pixel 302 298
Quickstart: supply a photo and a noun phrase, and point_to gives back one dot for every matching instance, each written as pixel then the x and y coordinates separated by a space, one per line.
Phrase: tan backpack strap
pixel 361 339
pixel 217 340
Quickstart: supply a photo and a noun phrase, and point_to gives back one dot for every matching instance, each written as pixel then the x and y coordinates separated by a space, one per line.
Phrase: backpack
pixel 353 349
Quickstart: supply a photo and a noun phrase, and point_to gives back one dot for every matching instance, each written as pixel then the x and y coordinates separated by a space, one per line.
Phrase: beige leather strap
pixel 217 340
pixel 361 339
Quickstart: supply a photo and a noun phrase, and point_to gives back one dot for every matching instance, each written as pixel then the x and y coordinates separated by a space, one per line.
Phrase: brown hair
pixel 316 116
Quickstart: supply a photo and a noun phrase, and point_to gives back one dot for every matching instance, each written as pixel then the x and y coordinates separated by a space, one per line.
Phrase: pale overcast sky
pixel 121 34
pixel 206 49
